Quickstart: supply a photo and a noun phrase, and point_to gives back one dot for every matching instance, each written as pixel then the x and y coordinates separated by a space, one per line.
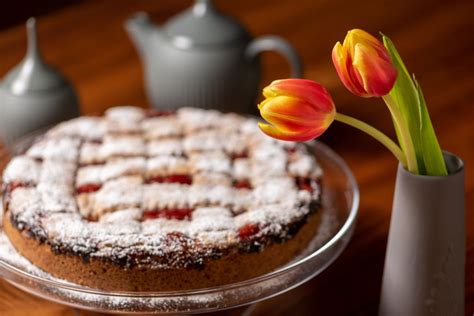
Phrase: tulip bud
pixel 297 110
pixel 364 65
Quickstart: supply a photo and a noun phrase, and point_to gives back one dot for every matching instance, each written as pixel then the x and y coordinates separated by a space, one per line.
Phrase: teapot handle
pixel 277 44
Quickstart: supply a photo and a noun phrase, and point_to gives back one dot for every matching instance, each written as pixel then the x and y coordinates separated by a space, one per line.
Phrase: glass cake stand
pixel 340 204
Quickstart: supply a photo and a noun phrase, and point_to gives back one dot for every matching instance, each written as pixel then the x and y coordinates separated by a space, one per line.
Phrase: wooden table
pixel 88 43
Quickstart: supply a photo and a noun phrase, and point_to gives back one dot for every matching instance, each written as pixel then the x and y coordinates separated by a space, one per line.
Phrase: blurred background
pixel 86 41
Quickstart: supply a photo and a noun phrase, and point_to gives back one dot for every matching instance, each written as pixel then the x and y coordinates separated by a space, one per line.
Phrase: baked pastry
pixel 146 201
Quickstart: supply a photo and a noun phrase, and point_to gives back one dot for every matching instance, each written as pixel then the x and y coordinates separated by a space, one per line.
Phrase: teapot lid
pixel 32 74
pixel 203 24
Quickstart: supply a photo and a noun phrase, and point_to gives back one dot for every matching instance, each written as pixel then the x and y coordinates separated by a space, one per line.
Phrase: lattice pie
pixel 147 201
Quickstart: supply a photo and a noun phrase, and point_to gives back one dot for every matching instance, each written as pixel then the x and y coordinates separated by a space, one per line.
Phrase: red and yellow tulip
pixel 364 65
pixel 300 110
pixel 296 110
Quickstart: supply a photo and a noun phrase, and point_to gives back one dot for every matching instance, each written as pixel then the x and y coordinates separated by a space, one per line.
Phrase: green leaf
pixel 409 98
pixel 405 95
pixel 432 154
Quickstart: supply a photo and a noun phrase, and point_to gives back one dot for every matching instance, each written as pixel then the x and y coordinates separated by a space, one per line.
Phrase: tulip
pixel 364 65
pixel 296 110
pixel 301 110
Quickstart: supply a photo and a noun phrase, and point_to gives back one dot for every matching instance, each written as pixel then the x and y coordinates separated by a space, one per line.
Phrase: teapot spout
pixel 139 27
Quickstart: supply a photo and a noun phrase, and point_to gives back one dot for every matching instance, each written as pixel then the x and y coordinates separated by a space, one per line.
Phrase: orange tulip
pixel 364 65
pixel 296 110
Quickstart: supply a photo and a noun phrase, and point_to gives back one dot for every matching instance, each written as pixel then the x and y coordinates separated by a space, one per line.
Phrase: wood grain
pixel 87 42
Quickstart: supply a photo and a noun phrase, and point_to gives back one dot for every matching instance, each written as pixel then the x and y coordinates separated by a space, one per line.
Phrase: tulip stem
pixel 405 139
pixel 375 133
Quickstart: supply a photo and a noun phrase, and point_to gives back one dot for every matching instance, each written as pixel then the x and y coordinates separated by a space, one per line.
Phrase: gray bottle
pixel 34 95
pixel 203 58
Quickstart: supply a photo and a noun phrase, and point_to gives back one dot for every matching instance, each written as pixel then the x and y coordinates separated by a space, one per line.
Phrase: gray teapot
pixel 203 58
pixel 33 94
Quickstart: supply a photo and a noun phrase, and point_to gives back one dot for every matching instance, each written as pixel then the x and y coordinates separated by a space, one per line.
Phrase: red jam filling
pixel 96 141
pixel 241 155
pixel 91 219
pixel 157 113
pixel 88 188
pixel 94 163
pixel 15 185
pixel 172 213
pixel 242 184
pixel 248 231
pixel 307 184
pixel 175 178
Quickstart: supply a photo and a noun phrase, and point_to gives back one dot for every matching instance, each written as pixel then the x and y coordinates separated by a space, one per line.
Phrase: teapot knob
pixel 202 7
pixel 32 42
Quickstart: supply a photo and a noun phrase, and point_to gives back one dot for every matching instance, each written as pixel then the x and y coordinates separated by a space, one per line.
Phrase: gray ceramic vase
pixel 425 259
pixel 33 94
pixel 203 58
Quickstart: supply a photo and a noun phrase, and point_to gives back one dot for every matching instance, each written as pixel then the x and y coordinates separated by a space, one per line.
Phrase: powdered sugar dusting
pixel 23 169
pixel 167 165
pixel 161 127
pixel 122 167
pixel 170 146
pixel 210 162
pixel 166 195
pixel 64 148
pixel 122 216
pixel 119 193
pixel 91 153
pixel 126 145
pixel 303 165
pixel 125 113
pixel 86 127
pixel 167 187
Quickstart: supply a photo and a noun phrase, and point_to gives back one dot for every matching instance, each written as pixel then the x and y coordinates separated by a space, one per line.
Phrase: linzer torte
pixel 146 201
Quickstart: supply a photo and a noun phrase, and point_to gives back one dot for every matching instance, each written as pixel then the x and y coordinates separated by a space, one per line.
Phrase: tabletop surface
pixel 88 43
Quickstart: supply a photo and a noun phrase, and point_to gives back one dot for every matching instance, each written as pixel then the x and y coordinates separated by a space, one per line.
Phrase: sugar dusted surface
pixel 118 159
pixel 22 168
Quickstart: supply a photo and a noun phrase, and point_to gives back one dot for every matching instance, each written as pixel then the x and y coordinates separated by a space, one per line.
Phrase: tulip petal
pixel 358 36
pixel 364 65
pixel 310 91
pixel 379 75
pixel 274 132
pixel 293 107
pixel 291 114
pixel 343 65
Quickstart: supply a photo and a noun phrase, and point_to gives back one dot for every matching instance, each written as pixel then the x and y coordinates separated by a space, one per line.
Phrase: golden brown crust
pixel 230 268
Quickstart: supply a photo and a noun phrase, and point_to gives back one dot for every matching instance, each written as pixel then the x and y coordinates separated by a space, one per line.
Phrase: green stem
pixel 375 133
pixel 406 141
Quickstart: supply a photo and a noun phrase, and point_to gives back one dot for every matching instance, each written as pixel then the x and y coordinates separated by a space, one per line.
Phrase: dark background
pixel 14 12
